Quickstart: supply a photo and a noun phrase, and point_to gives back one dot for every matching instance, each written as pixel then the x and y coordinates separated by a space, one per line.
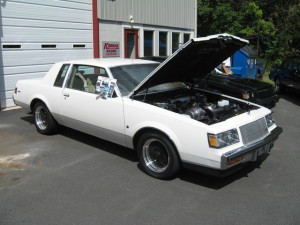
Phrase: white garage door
pixel 35 34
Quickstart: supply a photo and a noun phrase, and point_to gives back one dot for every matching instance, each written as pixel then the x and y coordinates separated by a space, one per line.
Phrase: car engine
pixel 202 106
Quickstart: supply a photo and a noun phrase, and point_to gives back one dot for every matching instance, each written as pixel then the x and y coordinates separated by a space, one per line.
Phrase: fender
pixel 52 107
pixel 40 97
pixel 132 131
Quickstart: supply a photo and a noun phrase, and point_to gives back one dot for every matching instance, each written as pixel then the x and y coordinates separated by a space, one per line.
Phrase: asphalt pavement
pixel 74 178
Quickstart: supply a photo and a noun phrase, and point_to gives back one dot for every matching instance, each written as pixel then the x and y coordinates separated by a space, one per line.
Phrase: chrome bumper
pixel 251 152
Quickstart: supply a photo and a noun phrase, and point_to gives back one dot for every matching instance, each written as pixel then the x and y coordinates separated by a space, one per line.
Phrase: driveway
pixel 74 178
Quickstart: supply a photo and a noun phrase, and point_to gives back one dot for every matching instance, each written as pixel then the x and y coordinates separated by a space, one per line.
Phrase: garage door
pixel 35 34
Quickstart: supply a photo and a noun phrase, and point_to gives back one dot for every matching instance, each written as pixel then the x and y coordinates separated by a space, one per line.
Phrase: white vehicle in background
pixel 155 109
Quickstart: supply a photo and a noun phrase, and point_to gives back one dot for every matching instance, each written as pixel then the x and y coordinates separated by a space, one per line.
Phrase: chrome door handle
pixel 66 95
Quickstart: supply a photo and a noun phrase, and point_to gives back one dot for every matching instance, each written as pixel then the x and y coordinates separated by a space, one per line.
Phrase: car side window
pixel 84 77
pixel 61 75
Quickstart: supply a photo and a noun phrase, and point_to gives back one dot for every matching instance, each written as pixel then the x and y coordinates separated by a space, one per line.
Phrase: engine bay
pixel 197 104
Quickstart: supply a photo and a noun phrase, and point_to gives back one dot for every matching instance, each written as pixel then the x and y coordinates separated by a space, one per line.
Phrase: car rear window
pixel 61 75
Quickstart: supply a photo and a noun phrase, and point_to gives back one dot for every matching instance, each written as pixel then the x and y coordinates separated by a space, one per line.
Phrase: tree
pixel 272 27
pixel 255 26
pixel 285 15
pixel 216 16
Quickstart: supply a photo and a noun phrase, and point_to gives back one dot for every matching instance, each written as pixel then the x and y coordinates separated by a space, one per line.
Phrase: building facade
pixel 146 27
pixel 35 34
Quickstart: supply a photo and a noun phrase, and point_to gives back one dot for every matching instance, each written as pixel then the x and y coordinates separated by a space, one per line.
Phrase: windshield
pixel 129 76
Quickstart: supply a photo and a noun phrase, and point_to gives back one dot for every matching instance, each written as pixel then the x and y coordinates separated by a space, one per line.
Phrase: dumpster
pixel 243 63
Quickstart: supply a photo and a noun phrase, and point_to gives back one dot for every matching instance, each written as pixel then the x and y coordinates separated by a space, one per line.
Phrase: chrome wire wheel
pixel 41 118
pixel 155 155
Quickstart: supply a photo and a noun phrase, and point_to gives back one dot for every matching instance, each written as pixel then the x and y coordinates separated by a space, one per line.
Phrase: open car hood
pixel 193 60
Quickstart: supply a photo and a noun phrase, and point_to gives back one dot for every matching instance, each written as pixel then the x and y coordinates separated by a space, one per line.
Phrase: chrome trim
pixel 250 152
pixel 254 131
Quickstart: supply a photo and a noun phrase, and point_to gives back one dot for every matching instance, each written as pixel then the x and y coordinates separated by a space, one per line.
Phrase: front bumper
pixel 268 102
pixel 251 152
pixel 241 156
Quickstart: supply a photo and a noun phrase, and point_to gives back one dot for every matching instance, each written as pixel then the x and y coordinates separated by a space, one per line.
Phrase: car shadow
pixel 216 183
pixel 28 119
pixel 92 141
pixel 292 96
pixel 186 175
pixel 100 144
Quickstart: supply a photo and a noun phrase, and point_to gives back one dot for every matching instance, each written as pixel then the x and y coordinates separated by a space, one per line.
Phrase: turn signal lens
pixel 213 141
pixel 235 161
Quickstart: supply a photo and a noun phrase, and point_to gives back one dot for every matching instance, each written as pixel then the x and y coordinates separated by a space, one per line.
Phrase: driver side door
pixel 85 110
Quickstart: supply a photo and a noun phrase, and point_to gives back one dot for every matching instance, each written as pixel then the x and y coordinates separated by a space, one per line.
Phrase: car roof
pixel 108 62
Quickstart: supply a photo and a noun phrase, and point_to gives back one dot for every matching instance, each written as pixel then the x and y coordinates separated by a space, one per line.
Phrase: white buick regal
pixel 155 109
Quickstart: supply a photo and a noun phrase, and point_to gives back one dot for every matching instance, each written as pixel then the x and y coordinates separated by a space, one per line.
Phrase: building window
pixel 148 43
pixel 163 43
pixel 175 42
pixel 186 37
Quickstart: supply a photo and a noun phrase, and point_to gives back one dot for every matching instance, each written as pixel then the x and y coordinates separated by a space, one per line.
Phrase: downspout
pixel 196 16
pixel 96 24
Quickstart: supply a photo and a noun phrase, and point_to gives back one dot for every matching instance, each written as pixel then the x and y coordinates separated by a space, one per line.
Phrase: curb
pixel 11 108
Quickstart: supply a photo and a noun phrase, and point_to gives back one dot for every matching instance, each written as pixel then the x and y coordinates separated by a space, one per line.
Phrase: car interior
pixel 83 80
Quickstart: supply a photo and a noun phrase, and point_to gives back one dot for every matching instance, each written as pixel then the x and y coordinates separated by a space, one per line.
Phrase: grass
pixel 266 79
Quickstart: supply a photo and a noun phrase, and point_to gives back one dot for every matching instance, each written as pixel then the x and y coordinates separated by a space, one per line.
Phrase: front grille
pixel 254 131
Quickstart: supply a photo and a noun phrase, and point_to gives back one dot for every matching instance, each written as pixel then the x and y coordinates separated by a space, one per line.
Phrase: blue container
pixel 243 63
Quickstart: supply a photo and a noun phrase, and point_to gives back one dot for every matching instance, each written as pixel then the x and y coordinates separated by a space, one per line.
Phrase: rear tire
pixel 158 156
pixel 43 120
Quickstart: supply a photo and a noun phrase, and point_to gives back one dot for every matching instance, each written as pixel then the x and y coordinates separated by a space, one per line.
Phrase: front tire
pixel 43 120
pixel 158 156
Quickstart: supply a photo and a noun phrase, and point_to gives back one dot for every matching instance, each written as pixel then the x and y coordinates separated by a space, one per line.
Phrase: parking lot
pixel 74 178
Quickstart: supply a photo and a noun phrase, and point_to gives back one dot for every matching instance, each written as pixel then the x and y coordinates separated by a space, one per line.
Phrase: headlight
pixel 223 139
pixel 269 120
pixel 248 95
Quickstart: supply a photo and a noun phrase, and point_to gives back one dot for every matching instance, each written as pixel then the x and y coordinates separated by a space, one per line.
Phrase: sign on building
pixel 111 49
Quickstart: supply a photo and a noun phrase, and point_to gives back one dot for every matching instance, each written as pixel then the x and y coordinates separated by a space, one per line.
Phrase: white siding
pixel 111 31
pixel 33 23
pixel 168 13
